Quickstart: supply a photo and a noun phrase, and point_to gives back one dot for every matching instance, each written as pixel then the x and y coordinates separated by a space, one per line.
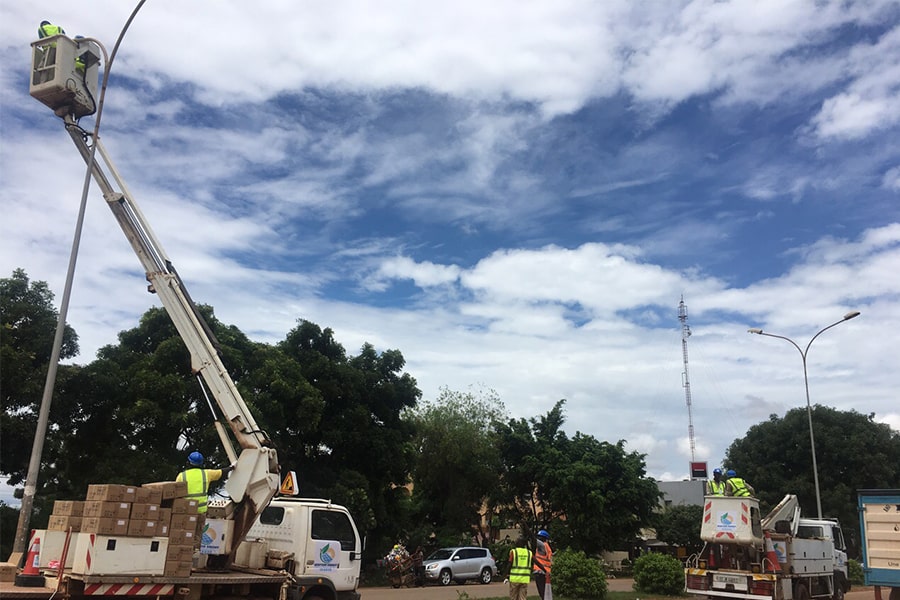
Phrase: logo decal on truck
pixel 327 557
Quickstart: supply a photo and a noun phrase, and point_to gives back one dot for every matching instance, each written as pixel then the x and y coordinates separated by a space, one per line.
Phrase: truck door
pixel 332 543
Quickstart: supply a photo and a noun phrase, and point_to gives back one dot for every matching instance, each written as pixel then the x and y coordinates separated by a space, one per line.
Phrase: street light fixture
pixel 803 353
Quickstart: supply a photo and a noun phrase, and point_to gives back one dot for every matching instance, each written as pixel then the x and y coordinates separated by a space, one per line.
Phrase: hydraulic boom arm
pixel 255 478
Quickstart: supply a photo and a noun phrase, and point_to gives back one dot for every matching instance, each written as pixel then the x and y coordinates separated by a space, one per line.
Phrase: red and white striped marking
pixel 89 552
pixel 129 589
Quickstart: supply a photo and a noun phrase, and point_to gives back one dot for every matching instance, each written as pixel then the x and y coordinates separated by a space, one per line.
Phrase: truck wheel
pixel 801 593
pixel 838 591
pixel 446 577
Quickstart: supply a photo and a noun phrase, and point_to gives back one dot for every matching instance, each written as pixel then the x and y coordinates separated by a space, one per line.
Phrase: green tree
pixel 27 328
pixel 458 461
pixel 361 453
pixel 593 495
pixel 680 526
pixel 852 451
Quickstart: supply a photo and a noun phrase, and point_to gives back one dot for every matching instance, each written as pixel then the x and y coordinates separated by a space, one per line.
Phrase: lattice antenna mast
pixel 685 378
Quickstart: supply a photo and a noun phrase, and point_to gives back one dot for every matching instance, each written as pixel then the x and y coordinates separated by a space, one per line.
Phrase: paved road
pixel 473 590
pixel 501 590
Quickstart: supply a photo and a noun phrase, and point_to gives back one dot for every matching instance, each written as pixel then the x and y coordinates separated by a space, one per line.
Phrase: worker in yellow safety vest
pixel 198 479
pixel 735 486
pixel 519 570
pixel 716 485
pixel 47 29
pixel 45 55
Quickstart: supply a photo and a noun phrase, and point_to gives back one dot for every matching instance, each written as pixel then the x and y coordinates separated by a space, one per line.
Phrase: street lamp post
pixel 803 353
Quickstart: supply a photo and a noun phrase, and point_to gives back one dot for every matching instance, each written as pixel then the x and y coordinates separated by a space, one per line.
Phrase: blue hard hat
pixel 717 471
pixel 543 534
pixel 731 473
pixel 195 459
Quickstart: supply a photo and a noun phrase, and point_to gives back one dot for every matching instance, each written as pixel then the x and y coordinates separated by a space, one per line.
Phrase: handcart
pixel 401 571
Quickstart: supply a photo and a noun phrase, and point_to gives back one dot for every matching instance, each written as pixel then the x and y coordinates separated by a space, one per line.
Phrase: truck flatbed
pixel 140 585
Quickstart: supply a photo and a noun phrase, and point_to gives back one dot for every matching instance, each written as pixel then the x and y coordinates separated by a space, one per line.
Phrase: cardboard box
pixel 142 528
pixel 184 521
pixel 104 526
pixel 146 495
pixel 168 490
pixel 111 492
pixel 184 505
pixel 278 559
pixel 68 508
pixel 7 572
pixel 182 537
pixel 165 515
pixel 108 555
pixel 178 568
pixel 63 522
pixel 219 509
pixel 149 512
pixel 112 510
pixel 180 552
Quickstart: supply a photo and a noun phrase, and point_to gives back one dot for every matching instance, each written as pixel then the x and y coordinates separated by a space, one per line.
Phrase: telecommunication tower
pixel 685 379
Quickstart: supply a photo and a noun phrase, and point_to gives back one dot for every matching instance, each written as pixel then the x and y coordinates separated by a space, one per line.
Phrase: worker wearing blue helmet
pixel 198 479
pixel 543 564
pixel 716 485
pixel 735 486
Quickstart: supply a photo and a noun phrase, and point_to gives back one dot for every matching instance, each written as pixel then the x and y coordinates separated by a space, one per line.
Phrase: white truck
pixel 780 557
pixel 281 549
pixel 879 525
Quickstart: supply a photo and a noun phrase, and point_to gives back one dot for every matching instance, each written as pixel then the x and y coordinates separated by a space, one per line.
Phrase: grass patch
pixel 609 596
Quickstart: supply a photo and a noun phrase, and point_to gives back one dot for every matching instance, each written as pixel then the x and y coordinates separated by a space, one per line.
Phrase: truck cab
pixel 314 540
pixel 828 529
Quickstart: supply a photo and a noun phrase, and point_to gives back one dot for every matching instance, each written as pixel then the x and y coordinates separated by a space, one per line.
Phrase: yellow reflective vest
pixel 197 486
pixel 520 567
pixel 738 487
pixel 715 488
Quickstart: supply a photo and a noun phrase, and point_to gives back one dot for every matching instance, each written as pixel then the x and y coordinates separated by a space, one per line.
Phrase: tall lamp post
pixel 803 353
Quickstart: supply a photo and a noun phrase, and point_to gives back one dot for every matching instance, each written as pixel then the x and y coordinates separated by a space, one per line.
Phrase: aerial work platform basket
pixel 64 74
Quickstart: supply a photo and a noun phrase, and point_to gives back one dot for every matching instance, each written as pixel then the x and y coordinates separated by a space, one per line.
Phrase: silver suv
pixel 460 564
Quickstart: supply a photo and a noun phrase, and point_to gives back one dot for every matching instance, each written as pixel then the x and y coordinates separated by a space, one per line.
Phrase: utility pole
pixel 685 379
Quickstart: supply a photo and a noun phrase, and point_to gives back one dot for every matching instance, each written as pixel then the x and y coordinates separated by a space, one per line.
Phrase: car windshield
pixel 442 554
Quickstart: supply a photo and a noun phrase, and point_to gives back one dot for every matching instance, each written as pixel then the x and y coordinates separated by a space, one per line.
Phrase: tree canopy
pixel 679 525
pixel 458 462
pixel 852 452
pixel 133 414
pixel 28 320
pixel 595 495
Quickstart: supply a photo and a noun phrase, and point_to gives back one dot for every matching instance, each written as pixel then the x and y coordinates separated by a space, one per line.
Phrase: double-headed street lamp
pixel 803 353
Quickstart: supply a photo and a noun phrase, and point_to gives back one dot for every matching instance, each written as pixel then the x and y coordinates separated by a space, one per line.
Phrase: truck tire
pixel 801 592
pixel 838 591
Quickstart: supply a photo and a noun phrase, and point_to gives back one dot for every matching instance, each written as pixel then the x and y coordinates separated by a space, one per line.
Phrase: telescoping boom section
pixel 71 93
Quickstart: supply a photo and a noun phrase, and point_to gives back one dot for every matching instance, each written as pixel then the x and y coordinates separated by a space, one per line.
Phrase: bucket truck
pixel 780 557
pixel 279 549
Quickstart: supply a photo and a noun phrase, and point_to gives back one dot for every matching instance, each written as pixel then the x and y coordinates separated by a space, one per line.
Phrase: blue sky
pixel 515 195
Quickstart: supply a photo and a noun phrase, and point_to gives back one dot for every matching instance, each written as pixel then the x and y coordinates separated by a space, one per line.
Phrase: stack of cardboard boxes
pixel 158 512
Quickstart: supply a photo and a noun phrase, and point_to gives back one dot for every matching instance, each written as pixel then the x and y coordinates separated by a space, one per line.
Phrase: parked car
pixel 460 564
